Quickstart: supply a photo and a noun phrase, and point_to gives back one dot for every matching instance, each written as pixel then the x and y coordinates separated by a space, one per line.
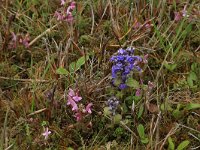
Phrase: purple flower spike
pixel 123 63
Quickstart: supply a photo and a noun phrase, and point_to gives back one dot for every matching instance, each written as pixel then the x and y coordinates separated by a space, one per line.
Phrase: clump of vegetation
pixel 99 74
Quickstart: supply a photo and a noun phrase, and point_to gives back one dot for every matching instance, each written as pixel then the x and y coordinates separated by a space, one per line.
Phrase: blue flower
pixel 112 104
pixel 122 86
pixel 116 69
pixel 122 51
pixel 131 50
pixel 123 63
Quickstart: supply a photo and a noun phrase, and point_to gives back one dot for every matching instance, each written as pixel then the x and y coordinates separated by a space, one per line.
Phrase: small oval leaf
pixel 183 145
pixel 62 71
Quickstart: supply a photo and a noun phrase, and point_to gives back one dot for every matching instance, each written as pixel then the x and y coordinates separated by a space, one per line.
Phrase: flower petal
pixel 88 108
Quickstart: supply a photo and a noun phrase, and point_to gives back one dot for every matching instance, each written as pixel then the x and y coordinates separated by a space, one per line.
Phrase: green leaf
pixel 117 118
pixel 176 113
pixel 170 67
pixel 117 82
pixel 140 129
pixel 191 78
pixel 119 94
pixel 194 66
pixel 171 145
pixel 141 109
pixel 192 106
pixel 132 83
pixel 145 140
pixel 81 61
pixel 166 107
pixel 62 71
pixel 106 111
pixel 183 145
pixel 72 67
pixel 70 148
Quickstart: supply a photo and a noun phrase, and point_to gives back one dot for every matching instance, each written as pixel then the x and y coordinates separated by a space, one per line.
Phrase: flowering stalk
pixel 65 14
pixel 123 64
pixel 79 110
pixel 112 104
pixel 19 39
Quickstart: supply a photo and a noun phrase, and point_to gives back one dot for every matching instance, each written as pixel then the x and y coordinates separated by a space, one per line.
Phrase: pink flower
pixel 88 108
pixel 58 15
pixel 77 98
pixel 145 59
pixel 73 5
pixel 78 116
pixel 46 133
pixel 138 92
pixel 71 92
pixel 13 43
pixel 184 13
pixel 69 18
pixel 63 2
pixel 72 99
pixel 178 16
pixel 72 103
pixel 74 95
pixel 150 85
pixel 137 25
pixel 65 14
pixel 26 41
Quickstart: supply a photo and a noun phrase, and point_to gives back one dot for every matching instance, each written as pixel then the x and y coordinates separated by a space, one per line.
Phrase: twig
pixel 5 138
pixel 171 132
pixel 151 131
pixel 196 114
pixel 131 28
pixel 195 147
pixel 37 112
pixel 92 12
pixel 25 80
pixel 194 136
pixel 188 128
pixel 157 131
pixel 42 34
pixel 9 147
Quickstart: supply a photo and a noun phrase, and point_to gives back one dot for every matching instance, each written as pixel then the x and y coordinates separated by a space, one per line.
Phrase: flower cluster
pixel 180 15
pixel 123 64
pixel 65 14
pixel 112 105
pixel 80 110
pixel 19 40
pixel 146 26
